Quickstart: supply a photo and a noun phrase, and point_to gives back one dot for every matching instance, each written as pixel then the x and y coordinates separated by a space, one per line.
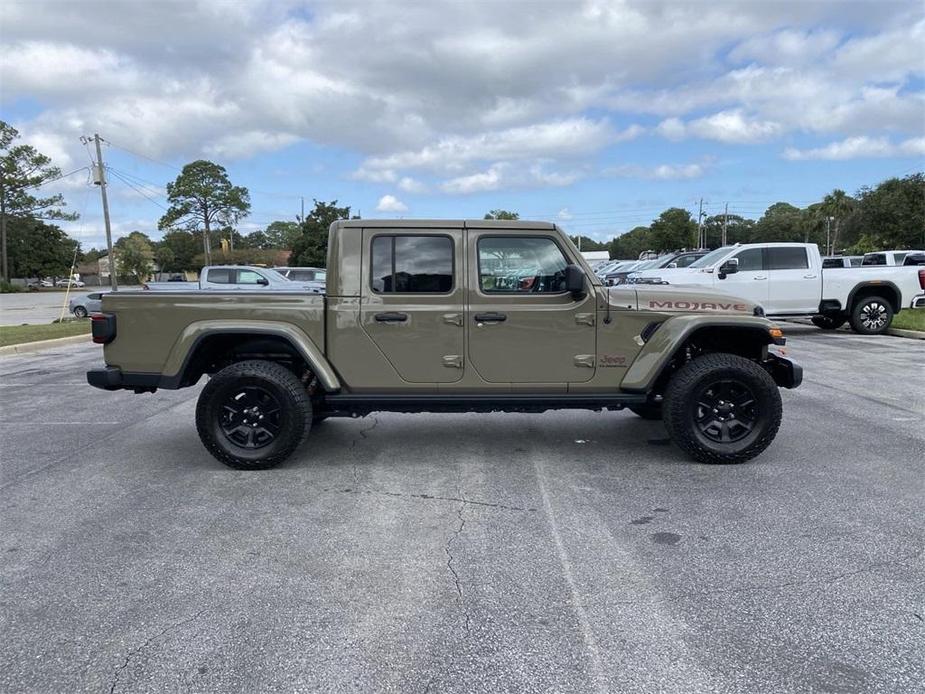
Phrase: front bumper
pixel 785 372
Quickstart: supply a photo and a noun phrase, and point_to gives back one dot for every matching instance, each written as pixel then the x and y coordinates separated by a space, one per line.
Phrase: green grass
pixel 19 334
pixel 910 320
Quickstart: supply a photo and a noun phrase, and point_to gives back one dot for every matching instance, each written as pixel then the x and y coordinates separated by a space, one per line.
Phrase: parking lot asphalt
pixel 568 551
pixel 34 307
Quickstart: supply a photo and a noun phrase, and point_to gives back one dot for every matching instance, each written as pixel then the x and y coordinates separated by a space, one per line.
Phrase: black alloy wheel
pixel 250 417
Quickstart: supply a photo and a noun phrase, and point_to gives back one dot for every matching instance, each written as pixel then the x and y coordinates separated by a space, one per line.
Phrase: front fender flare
pixel 671 334
pixel 194 333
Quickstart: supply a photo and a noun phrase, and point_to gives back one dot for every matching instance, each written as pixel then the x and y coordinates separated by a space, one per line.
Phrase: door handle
pixel 391 317
pixel 760 277
pixel 493 317
pixel 809 277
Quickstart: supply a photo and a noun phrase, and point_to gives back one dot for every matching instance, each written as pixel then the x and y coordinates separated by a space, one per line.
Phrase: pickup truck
pixel 238 278
pixel 451 316
pixel 788 279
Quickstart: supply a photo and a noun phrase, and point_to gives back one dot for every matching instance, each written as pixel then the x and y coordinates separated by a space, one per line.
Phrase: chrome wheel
pixel 874 316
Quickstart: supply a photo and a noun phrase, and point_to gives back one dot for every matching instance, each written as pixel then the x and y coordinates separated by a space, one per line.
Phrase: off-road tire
pixel 648 411
pixel 80 311
pixel 860 315
pixel 681 408
pixel 829 322
pixel 294 413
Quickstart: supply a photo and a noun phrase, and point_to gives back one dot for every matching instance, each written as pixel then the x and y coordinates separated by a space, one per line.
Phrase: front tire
pixel 252 415
pixel 829 322
pixel 722 408
pixel 871 316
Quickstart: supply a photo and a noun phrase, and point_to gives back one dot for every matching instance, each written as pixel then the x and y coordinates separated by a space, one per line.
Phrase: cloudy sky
pixel 597 114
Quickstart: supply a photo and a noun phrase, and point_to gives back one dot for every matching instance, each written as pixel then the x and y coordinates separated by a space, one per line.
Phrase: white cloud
pixel 411 185
pixel 389 203
pixel 860 147
pixel 505 175
pixel 732 127
pixel 787 47
pixel 660 172
pixel 564 214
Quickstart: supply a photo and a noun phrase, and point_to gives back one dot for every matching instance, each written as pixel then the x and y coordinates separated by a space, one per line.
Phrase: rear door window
pixel 874 259
pixel 787 258
pixel 221 276
pixel 411 264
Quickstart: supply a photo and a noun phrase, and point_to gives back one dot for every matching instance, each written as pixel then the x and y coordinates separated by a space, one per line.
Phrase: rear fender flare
pixel 674 332
pixel 186 344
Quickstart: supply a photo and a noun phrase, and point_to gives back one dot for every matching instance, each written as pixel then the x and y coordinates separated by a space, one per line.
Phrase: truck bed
pixel 156 330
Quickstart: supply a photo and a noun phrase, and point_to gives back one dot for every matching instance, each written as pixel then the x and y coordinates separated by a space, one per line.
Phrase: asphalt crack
pixel 135 651
pixel 435 497
pixel 353 444
pixel 447 548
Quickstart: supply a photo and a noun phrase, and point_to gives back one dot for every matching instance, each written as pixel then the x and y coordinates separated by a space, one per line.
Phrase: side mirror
pixel 730 267
pixel 671 266
pixel 574 280
pixel 263 280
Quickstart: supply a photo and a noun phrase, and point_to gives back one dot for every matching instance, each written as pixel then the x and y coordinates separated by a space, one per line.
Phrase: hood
pixel 674 298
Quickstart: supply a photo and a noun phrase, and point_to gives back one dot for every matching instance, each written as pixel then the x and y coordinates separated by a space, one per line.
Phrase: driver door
pixel 522 326
pixel 751 281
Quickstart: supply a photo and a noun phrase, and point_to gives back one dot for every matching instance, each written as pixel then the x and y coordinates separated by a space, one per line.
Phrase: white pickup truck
pixel 245 277
pixel 787 279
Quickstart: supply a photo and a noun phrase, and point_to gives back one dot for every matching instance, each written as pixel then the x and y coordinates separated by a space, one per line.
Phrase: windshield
pixel 711 257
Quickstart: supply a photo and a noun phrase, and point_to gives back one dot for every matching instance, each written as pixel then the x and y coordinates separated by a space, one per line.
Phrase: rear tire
pixel 871 316
pixel 829 322
pixel 252 415
pixel 722 408
pixel 80 312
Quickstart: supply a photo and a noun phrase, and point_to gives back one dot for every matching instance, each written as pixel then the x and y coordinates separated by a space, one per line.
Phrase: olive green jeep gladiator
pixel 451 316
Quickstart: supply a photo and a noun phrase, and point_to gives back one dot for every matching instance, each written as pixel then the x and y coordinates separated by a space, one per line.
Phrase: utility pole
pixel 302 218
pixel 725 222
pixel 700 239
pixel 828 221
pixel 101 175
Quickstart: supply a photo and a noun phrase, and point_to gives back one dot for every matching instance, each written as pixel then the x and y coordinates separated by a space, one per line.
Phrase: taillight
pixel 103 328
pixel 922 278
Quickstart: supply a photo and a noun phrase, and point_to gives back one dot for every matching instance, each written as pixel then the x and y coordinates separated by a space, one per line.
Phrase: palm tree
pixel 838 205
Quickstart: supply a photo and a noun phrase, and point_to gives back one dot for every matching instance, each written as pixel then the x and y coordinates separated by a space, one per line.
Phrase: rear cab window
pixel 874 259
pixel 221 276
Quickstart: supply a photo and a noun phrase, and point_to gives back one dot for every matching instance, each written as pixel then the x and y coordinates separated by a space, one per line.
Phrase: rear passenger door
pixel 795 286
pixel 412 300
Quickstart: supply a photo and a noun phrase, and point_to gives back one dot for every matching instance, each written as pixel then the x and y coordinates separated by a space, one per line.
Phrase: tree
pixel 256 239
pixel 134 255
pixel 311 248
pixel 23 168
pixel 202 197
pixel 738 229
pixel 37 249
pixel 780 222
pixel 838 205
pixel 674 229
pixel 586 243
pixel 282 234
pixel 502 214
pixel 183 247
pixel 892 214
pixel 628 246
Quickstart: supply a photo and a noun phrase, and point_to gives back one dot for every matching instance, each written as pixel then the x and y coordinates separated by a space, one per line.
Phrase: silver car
pixel 82 306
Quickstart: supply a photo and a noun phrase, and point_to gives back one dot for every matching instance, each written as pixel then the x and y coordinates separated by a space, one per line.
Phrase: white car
pixel 887 257
pixel 787 279
pixel 72 282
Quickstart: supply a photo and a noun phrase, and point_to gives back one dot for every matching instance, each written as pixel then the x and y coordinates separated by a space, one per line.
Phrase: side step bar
pixel 350 405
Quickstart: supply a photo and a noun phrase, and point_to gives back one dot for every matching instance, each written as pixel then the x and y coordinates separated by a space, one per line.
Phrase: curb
pixel 38 346
pixel 914 334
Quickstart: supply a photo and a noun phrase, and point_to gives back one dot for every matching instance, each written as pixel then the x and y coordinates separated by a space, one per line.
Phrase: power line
pixel 135 188
pixel 58 178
